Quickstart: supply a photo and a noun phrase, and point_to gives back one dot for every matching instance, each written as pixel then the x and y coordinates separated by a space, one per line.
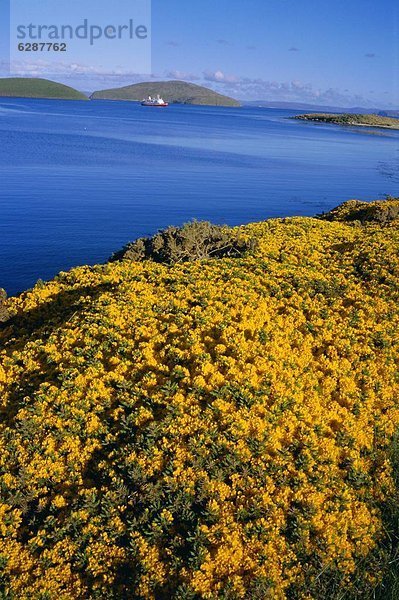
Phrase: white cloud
pixel 286 91
pixel 245 88
pixel 182 75
pixel 42 68
pixel 220 77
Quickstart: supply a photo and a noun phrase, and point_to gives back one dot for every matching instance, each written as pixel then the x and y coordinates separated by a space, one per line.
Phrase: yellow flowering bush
pixel 213 429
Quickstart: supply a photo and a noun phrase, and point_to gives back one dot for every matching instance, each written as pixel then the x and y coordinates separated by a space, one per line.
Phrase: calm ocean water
pixel 78 180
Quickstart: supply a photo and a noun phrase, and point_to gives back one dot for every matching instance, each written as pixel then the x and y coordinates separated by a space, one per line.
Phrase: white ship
pixel 157 102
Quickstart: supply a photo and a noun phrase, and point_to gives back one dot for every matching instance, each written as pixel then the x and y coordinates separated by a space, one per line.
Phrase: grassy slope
pixel 172 91
pixel 24 87
pixel 351 119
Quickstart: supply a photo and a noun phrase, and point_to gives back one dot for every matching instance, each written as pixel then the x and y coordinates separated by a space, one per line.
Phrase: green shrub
pixel 196 240
pixel 380 212
pixel 3 306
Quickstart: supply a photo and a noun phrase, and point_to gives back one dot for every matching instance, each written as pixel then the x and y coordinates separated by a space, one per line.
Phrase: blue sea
pixel 80 179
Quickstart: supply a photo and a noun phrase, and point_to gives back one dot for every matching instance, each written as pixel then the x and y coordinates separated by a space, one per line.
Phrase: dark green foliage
pixel 196 240
pixel 380 212
pixel 3 306
pixel 389 588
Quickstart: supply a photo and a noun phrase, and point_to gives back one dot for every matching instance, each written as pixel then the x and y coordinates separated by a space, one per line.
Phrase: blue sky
pixel 343 53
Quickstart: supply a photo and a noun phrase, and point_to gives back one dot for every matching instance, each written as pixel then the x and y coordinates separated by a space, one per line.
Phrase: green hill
pixel 25 87
pixel 177 92
pixel 351 119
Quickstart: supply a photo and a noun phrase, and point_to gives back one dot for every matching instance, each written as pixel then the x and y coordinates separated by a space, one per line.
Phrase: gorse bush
pixel 379 212
pixel 197 240
pixel 218 429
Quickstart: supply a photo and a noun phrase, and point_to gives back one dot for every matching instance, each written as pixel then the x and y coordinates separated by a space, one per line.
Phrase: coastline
pixel 347 120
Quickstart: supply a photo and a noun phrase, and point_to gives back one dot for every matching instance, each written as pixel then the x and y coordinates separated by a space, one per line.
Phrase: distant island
pixel 389 113
pixel 27 87
pixel 305 106
pixel 351 119
pixel 174 92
